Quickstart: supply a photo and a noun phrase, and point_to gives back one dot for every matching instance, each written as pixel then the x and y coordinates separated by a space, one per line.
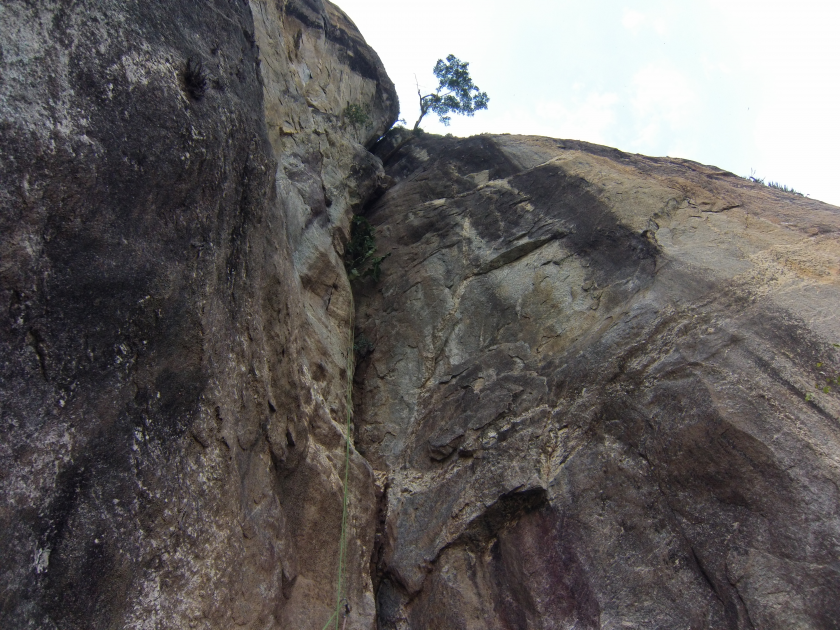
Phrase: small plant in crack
pixel 360 260
pixel 362 346
pixel 357 115
pixel 832 381
pixel 195 80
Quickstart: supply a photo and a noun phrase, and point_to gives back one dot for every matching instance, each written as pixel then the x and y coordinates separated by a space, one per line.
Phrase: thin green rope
pixel 332 616
pixel 342 545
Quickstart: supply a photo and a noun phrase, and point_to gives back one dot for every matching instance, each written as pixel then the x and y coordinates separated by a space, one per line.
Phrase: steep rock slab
pixel 174 186
pixel 588 393
pixel 314 64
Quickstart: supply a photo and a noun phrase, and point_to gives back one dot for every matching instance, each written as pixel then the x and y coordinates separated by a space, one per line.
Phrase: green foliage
pixel 360 258
pixel 456 92
pixel 362 345
pixel 357 115
pixel 776 185
pixel 827 381
pixel 784 188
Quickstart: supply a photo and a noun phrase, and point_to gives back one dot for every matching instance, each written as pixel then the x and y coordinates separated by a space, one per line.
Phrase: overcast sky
pixel 740 84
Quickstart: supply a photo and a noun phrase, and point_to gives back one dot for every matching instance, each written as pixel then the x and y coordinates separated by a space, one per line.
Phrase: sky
pixel 751 87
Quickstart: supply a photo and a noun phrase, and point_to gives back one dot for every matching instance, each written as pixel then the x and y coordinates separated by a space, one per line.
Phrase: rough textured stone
pixel 587 395
pixel 176 180
pixel 584 406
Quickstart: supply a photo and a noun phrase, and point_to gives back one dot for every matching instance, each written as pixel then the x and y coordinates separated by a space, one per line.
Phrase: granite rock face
pixel 587 399
pixel 584 390
pixel 176 182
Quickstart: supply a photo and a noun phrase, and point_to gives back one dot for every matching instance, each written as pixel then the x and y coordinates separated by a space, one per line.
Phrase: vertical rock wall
pixel 588 392
pixel 175 185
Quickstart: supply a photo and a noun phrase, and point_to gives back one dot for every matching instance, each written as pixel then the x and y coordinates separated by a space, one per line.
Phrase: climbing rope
pixel 342 544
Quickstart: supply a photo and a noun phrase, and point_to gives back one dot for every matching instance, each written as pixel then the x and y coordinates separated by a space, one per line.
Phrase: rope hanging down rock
pixel 342 544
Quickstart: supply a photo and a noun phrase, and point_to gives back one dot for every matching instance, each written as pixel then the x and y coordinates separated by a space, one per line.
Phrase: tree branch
pixel 423 108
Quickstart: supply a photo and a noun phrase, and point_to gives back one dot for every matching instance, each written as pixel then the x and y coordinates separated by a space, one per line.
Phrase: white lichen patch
pixel 42 560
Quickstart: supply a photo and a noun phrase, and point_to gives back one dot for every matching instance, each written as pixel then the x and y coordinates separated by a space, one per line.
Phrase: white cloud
pixel 660 26
pixel 663 101
pixel 632 20
pixel 589 119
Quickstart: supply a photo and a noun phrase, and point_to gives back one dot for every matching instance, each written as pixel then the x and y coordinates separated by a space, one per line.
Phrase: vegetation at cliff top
pixel 456 93
pixel 760 180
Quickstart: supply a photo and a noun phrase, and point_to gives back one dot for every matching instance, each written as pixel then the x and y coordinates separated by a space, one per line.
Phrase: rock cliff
pixel 588 394
pixel 176 183
pixel 584 392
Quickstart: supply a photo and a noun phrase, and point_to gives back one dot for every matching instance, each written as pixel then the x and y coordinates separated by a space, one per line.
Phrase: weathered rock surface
pixel 586 403
pixel 587 393
pixel 176 181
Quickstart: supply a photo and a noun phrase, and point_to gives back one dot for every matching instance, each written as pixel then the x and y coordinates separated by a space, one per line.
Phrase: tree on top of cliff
pixel 456 92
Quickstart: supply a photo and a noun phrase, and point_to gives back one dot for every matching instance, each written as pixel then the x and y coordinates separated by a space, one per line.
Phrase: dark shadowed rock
pixel 588 392
pixel 176 181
